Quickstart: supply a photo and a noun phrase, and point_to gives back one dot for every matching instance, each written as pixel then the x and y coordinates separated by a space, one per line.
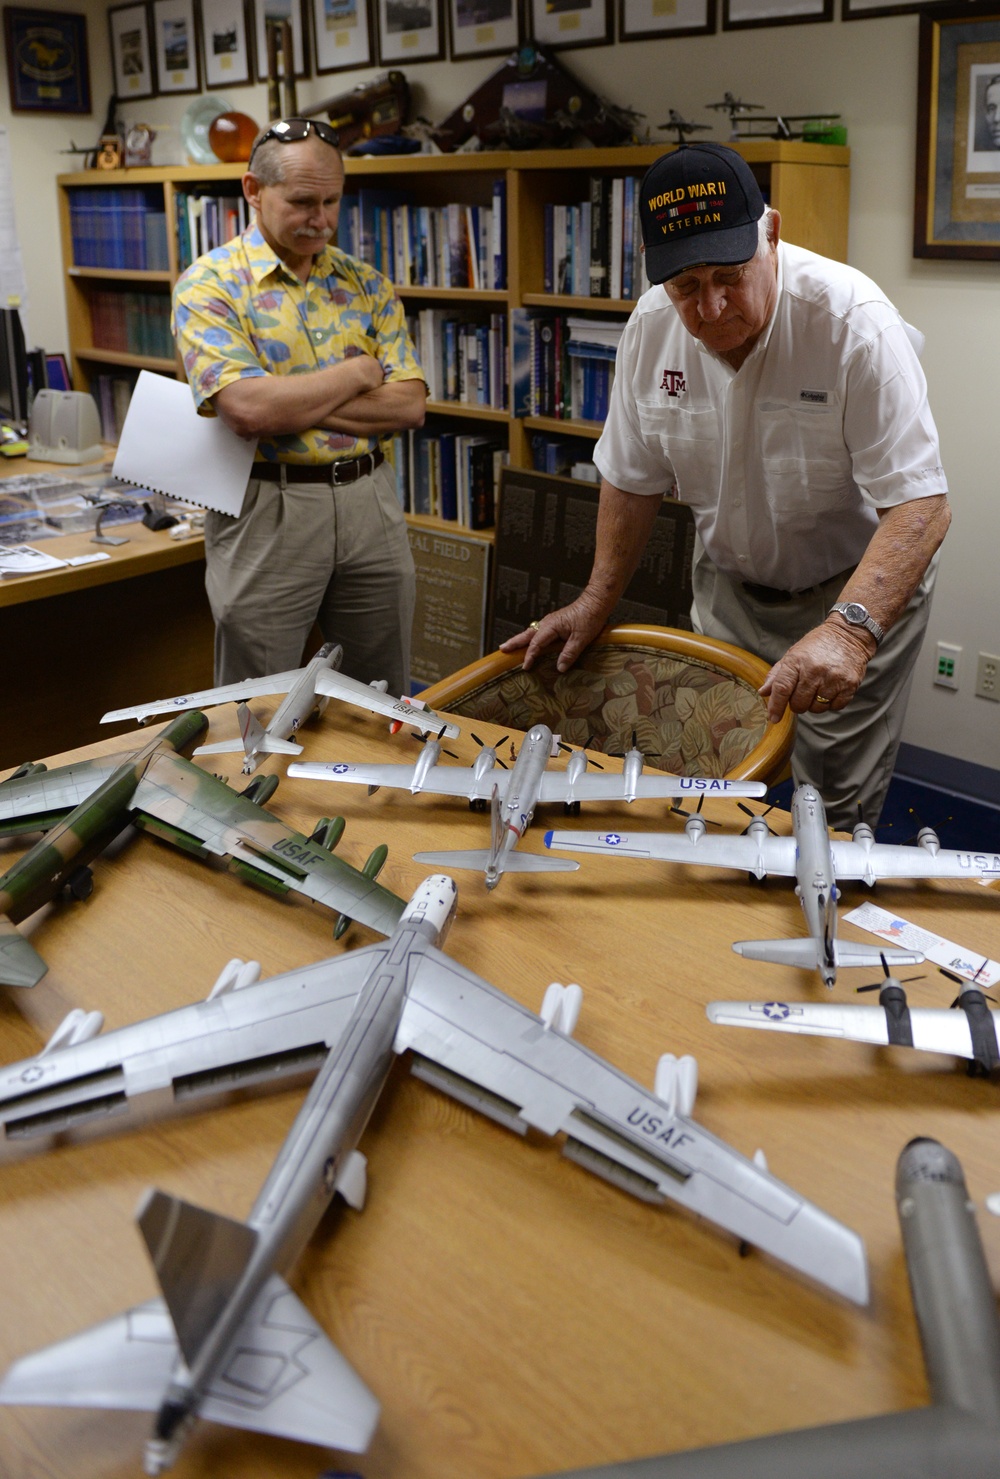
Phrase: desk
pixel 514 1315
pixel 77 642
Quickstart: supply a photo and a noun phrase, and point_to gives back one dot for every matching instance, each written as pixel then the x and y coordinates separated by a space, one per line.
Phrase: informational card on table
pixel 956 958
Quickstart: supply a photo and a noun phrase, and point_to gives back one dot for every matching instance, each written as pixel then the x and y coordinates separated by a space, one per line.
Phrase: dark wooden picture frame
pixel 567 25
pixel 343 35
pixel 483 28
pixel 293 11
pixel 957 198
pixel 746 15
pixel 862 10
pixel 658 20
pixel 47 64
pixel 224 33
pixel 409 31
pixel 175 50
pixel 132 63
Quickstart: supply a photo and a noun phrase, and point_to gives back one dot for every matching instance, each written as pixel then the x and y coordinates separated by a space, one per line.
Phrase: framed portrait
pixel 47 65
pixel 483 27
pixel 957 201
pixel 569 23
pixel 409 31
pixel 279 10
pixel 131 54
pixel 740 15
pixel 175 46
pixel 644 20
pixel 342 35
pixel 225 43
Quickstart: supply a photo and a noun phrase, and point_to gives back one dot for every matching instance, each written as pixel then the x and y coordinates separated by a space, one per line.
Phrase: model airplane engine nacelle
pixel 260 789
pixel 676 1082
pixel 380 685
pixel 561 1007
pixel 576 766
pixel 928 839
pixel 759 829
pixel 484 762
pixel 26 768
pixel 425 763
pixel 235 974
pixel 863 835
pixel 433 906
pixel 76 1027
pixel 375 861
pixel 695 828
pixel 327 832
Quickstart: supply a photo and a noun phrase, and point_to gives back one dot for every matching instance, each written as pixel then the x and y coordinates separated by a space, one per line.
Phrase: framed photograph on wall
pixel 409 31
pixel 646 20
pixel 569 23
pixel 483 27
pixel 859 10
pixel 740 15
pixel 957 209
pixel 225 43
pixel 175 46
pixel 131 54
pixel 279 10
pixel 342 35
pixel 47 65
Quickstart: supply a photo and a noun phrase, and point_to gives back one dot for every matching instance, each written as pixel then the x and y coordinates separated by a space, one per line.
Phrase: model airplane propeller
pixel 218 1343
pixel 308 690
pixel 513 797
pixel 82 807
pixel 810 857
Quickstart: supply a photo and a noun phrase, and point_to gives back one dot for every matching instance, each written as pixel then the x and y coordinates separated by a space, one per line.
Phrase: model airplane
pixel 83 806
pixel 308 691
pixel 513 795
pixel 226 1313
pixel 811 123
pixel 959 1434
pixel 813 860
pixel 682 126
pixel 968 1029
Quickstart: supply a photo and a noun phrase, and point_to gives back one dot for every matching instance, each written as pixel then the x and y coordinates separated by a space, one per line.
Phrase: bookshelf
pixel 808 183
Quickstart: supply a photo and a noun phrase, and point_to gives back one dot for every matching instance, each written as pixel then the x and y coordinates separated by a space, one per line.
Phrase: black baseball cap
pixel 699 206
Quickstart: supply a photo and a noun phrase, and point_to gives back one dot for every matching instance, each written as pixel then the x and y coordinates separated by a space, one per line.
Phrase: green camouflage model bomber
pixel 82 807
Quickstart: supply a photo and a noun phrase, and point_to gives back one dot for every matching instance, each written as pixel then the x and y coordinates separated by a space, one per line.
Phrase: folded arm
pixel 282 405
pixel 396 405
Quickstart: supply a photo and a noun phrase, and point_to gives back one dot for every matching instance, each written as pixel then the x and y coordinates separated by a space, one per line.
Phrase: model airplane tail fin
pixel 199 1258
pixel 20 962
pixel 496 824
pixel 281 1376
pixel 512 862
pixel 254 739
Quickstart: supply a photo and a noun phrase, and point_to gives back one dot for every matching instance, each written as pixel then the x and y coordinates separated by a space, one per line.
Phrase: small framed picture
pixel 859 10
pixel 279 10
pixel 569 23
pixel 57 372
pixel 483 27
pixel 131 54
pixel 225 43
pixel 409 31
pixel 741 15
pixel 175 46
pixel 646 20
pixel 342 35
pixel 47 65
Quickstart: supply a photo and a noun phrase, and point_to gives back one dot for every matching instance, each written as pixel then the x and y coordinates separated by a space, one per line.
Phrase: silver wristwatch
pixel 857 616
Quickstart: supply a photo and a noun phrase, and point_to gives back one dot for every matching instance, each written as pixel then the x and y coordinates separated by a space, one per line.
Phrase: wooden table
pixel 79 641
pixel 514 1315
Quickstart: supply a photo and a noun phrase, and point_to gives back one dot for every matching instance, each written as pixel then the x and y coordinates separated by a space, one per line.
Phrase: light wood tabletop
pixel 514 1315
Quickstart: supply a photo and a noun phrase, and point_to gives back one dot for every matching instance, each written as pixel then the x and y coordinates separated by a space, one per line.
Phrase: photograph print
pixel 131 53
pixel 483 27
pixel 279 10
pixel 569 23
pixel 225 43
pixel 409 30
pixel 175 46
pixel 342 34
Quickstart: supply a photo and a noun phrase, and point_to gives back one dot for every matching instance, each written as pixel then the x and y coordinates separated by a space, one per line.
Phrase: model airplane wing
pixel 890 860
pixel 775 855
pixel 196 811
pixel 437 780
pixel 400 710
pixel 557 786
pixel 35 802
pixel 477 1044
pixel 283 1375
pixel 932 1029
pixel 208 697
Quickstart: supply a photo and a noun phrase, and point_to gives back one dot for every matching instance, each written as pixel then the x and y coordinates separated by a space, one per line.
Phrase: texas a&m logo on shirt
pixel 673 382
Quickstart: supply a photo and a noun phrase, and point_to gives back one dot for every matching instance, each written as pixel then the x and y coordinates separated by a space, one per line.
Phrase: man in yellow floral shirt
pixel 293 342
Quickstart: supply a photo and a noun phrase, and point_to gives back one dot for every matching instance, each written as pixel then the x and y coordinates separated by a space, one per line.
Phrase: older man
pixel 293 342
pixel 779 393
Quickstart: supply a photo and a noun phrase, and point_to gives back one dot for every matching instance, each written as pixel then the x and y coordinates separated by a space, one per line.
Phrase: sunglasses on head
pixel 294 130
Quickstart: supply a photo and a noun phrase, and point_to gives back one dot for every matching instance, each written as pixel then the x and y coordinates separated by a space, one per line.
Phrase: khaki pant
pixel 849 755
pixel 304 553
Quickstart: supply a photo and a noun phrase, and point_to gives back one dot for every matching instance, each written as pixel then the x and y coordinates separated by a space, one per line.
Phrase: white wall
pixel 866 70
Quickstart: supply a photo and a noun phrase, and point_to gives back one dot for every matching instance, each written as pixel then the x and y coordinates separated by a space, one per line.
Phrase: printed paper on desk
pixel 167 447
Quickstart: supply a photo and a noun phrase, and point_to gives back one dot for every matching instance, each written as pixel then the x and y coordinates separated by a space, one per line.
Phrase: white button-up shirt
pixel 785 460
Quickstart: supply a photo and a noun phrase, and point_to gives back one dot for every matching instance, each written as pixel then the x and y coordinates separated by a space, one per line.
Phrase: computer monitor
pixel 13 368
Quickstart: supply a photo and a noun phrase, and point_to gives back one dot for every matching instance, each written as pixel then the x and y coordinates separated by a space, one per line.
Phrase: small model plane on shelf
pixel 82 807
pixel 968 1028
pixel 815 862
pixel 682 126
pixel 218 1343
pixel 308 691
pixel 513 795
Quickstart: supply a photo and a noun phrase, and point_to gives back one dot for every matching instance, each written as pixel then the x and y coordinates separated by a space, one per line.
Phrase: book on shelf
pixel 131 322
pixel 449 474
pixel 448 246
pixel 205 220
pixel 123 227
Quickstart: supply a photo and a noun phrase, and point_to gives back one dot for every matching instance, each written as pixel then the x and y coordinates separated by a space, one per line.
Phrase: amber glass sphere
pixel 231 136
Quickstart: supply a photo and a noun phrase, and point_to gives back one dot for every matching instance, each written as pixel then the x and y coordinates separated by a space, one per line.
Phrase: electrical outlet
pixel 946 658
pixel 988 677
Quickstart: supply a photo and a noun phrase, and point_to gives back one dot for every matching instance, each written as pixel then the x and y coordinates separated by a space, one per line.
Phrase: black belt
pixel 768 596
pixel 346 470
